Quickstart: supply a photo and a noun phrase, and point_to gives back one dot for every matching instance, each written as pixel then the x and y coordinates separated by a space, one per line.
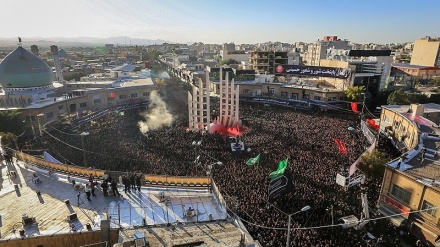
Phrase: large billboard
pixel 343 73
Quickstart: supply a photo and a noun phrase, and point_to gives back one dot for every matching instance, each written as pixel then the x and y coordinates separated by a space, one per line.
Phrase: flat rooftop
pixel 428 170
pixel 165 222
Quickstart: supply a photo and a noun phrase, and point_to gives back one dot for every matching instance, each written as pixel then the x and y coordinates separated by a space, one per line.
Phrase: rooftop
pixel 426 171
pixel 19 196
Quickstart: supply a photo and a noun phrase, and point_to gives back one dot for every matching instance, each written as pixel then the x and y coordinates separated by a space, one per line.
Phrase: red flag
pixel 341 145
pixel 354 107
pixel 373 124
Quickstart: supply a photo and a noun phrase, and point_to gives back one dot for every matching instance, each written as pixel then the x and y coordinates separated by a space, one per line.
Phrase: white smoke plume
pixel 157 116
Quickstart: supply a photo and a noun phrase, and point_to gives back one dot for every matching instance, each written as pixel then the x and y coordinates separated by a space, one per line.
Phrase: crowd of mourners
pixel 306 138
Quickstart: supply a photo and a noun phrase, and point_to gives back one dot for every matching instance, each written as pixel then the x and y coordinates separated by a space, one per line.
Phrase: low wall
pixel 149 179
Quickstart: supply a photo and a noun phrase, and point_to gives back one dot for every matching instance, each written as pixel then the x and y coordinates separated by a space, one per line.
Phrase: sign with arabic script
pixel 343 73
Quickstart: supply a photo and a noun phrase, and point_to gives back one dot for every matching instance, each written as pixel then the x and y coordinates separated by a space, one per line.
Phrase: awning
pixel 422 232
pixel 397 220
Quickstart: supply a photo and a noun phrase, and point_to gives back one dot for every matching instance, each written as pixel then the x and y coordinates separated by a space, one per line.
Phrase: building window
pixel 49 115
pixel 133 95
pixel 317 98
pixel 341 98
pixel 246 90
pixel 96 101
pixel 145 94
pixel 284 94
pixel 430 208
pixel 386 119
pixel 122 96
pixel 83 105
pixel 401 194
pixel 272 90
pixel 294 96
pixel 60 107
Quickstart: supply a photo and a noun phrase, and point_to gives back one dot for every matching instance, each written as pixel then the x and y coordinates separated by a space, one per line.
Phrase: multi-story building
pixel 410 191
pixel 27 84
pixel 318 50
pixel 228 47
pixel 371 68
pixel 265 61
pixel 239 57
pixel 426 52
pixel 403 72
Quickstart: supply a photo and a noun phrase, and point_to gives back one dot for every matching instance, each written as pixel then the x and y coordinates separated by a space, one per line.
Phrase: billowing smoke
pixel 158 115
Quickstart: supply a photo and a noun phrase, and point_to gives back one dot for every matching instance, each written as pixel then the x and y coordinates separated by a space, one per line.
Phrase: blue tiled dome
pixel 22 69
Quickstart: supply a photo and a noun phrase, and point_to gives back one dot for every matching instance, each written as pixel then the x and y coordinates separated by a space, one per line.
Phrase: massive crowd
pixel 306 138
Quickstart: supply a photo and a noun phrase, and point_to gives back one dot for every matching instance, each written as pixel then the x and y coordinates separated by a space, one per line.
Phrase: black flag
pixel 280 186
pixel 19 39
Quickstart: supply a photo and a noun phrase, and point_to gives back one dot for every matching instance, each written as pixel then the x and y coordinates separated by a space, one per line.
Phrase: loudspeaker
pixel 72 217
pixel 89 227
pixel 67 201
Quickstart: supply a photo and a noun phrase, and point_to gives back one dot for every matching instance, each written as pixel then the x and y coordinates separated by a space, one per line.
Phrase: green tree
pixel 373 164
pixel 227 62
pixel 434 82
pixel 10 122
pixel 354 93
pixel 68 76
pixel 8 139
pixel 399 97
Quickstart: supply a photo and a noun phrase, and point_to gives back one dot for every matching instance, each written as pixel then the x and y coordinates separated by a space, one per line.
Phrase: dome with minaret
pixel 22 69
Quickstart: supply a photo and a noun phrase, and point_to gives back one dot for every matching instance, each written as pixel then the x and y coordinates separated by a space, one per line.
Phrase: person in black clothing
pixel 126 183
pixel 114 187
pixel 138 182
pixel 104 187
pixel 132 182
pixel 87 191
pixel 92 187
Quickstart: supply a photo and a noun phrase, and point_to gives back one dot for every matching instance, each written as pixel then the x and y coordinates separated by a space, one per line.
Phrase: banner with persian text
pixel 343 73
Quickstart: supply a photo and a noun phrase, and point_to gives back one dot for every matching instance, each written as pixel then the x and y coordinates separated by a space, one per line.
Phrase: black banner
pixel 279 187
pixel 313 71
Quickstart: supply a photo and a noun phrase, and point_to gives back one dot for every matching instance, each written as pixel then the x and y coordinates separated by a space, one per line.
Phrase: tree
pixel 373 164
pixel 399 97
pixel 10 122
pixel 434 82
pixel 354 93
pixel 8 139
pixel 227 62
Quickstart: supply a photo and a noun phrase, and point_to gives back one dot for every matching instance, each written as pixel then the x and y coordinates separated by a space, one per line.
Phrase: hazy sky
pixel 212 21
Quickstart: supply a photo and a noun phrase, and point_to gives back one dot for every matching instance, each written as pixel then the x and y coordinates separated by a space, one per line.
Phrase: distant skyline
pixel 241 22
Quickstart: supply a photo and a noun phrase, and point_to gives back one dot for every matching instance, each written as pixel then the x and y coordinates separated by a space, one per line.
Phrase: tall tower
pixel 34 50
pixel 56 61
pixel 199 112
pixel 229 102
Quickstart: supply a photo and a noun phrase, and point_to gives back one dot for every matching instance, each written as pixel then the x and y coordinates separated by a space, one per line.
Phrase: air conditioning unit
pixel 72 217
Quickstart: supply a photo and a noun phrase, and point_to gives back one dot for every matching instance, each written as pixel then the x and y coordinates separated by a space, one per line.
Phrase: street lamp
pixel 305 208
pixel 209 172
pixel 39 124
pixel 82 142
pixel 196 146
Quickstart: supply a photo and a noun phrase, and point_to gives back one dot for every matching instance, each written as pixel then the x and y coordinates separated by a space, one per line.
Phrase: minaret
pixel 56 61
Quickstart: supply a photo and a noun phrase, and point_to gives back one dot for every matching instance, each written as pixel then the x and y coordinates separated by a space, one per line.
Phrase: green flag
pixel 253 161
pixel 280 171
